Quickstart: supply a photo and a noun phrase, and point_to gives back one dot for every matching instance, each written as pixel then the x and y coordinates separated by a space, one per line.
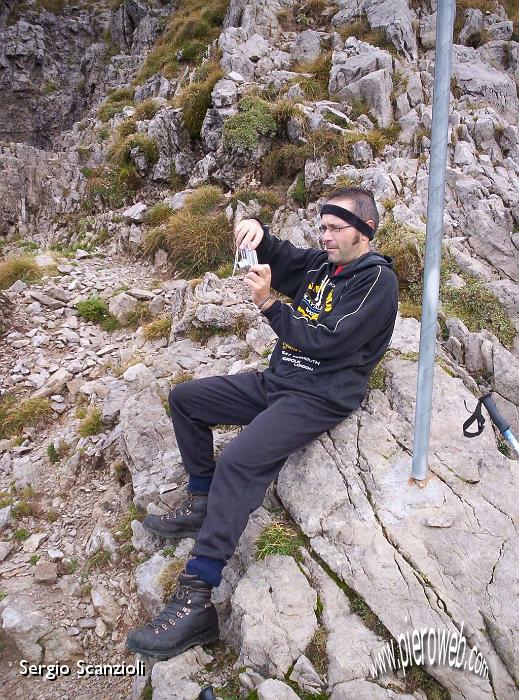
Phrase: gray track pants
pixel 278 422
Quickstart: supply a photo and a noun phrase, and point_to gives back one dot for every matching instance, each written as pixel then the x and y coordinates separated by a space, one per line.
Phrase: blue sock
pixel 199 484
pixel 209 570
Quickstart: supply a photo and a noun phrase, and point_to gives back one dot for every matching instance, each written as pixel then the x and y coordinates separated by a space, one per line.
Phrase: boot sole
pixel 171 536
pixel 203 638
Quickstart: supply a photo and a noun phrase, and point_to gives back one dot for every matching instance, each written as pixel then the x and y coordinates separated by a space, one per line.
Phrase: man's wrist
pixel 267 304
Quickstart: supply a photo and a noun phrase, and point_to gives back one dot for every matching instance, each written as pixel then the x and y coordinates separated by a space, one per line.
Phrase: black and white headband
pixel 349 217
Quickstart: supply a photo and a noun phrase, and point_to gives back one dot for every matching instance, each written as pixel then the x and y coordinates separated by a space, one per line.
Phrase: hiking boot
pixel 185 521
pixel 188 619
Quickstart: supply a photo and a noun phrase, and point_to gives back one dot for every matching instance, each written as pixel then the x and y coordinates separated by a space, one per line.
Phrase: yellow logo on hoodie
pixel 328 302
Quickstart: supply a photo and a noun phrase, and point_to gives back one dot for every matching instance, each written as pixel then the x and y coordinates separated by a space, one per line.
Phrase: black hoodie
pixel 338 326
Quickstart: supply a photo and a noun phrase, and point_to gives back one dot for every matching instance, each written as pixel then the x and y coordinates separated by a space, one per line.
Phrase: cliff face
pixel 135 136
pixel 51 63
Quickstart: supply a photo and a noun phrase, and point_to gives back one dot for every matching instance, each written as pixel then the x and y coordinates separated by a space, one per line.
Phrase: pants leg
pixel 197 404
pixel 247 466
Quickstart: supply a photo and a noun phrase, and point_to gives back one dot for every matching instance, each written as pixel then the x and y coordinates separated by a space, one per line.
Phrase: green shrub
pixel 141 315
pixel 299 192
pixel 195 98
pixel 15 413
pixel 204 199
pixel 93 309
pixel 478 308
pixel 92 424
pixel 474 303
pixel 114 103
pixel 283 163
pixel 21 534
pixel 18 267
pixel 127 127
pixel 52 453
pixel 377 379
pixel 157 214
pixel 120 152
pixel 113 186
pixel 253 120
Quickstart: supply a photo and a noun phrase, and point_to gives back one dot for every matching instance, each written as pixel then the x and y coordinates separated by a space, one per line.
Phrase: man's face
pixel 342 241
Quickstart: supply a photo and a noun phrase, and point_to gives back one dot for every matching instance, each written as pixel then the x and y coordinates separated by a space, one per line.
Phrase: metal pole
pixel 434 231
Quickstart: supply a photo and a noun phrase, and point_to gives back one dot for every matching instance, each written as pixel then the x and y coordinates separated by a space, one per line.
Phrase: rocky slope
pixel 245 109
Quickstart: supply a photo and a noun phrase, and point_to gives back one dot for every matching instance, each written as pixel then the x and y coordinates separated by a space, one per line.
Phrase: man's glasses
pixel 334 229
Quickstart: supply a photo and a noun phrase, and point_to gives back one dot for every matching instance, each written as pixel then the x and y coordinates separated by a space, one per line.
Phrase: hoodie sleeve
pixel 288 263
pixel 364 310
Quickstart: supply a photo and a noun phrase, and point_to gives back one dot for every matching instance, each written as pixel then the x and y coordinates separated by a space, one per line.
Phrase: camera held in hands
pixel 248 258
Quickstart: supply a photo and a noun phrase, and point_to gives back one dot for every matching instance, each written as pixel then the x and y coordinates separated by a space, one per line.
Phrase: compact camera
pixel 247 259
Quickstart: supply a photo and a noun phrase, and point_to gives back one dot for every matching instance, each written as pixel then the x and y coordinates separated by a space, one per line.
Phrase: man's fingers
pixel 261 269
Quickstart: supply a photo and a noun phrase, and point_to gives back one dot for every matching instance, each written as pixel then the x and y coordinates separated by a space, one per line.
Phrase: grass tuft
pixel 18 267
pixel 92 424
pixel 159 328
pixel 191 29
pixel 157 214
pixel 198 237
pixel 114 103
pixel 195 98
pixel 15 413
pixel 278 538
pixel 474 304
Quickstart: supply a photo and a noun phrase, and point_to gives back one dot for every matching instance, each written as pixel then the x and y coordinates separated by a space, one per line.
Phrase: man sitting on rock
pixel 345 300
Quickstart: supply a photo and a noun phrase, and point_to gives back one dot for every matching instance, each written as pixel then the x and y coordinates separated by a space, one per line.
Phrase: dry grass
pixel 181 376
pixel 169 576
pixel 361 29
pixel 316 87
pixel 158 214
pixel 198 237
pixel 18 267
pixel 15 413
pixel 192 27
pixel 159 328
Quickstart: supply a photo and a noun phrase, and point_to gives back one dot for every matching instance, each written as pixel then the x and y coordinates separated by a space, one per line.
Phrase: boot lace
pixel 173 611
pixel 184 508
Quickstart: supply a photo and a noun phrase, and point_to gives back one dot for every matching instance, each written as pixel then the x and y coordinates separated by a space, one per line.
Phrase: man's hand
pixel 248 234
pixel 258 278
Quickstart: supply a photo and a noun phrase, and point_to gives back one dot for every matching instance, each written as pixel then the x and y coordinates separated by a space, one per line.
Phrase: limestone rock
pixel 54 384
pixel 394 519
pixel 123 306
pixel 148 445
pixel 275 597
pixel 149 588
pixel 24 624
pixel 272 689
pixel 105 605
pixel 60 647
pixel 171 680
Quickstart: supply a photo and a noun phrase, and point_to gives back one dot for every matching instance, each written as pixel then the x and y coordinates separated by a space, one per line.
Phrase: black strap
pixel 477 415
pixel 349 217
